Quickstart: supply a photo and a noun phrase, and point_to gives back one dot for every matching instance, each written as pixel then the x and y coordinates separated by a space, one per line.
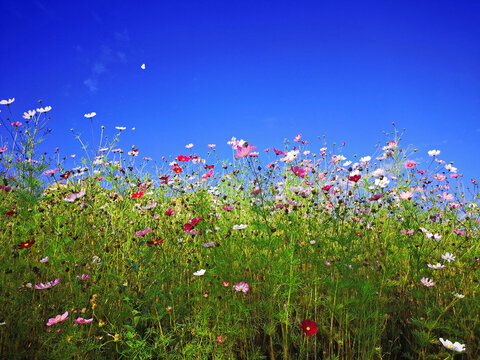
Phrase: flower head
pixel 449 257
pixel 427 282
pixel 57 319
pixel 91 115
pixel 200 272
pixel 241 286
pixel 309 327
pixel 82 320
pixel 456 346
pixel 7 102
pixel 410 164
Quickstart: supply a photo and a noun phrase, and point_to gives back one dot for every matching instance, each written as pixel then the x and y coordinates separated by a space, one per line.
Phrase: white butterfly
pixel 143 66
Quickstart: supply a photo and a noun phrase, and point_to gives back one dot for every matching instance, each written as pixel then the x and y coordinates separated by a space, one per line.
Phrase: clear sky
pixel 258 70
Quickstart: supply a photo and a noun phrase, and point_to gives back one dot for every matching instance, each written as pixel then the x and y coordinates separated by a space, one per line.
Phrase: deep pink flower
pixel 410 164
pixel 50 172
pixel 300 172
pixel 278 152
pixel 228 208
pixel 241 286
pixel 309 327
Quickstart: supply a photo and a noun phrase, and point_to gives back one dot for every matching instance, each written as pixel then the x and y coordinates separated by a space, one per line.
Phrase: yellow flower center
pixel 58 318
pixel 308 328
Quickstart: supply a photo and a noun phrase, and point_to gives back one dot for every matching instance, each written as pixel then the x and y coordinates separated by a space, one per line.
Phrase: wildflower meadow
pixel 289 252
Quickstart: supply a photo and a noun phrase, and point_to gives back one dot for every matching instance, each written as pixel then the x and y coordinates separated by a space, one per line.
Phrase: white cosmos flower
pixel 29 114
pixel 200 272
pixel 189 146
pixel 239 227
pixel 458 296
pixel 346 163
pixel 120 128
pixel 91 115
pixel 449 257
pixel 378 172
pixel 451 168
pixel 45 109
pixel 382 183
pixel 7 102
pixel 142 66
pixel 436 266
pixel 456 346
pixel 434 152
pixel 365 159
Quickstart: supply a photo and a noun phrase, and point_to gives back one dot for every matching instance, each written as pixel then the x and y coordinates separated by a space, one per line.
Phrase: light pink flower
pixel 47 285
pixel 57 319
pixel 427 282
pixel 82 320
pixel 410 164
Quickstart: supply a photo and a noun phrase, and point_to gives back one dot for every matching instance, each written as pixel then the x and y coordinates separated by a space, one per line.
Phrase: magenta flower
pixel 143 232
pixel 244 150
pixel 44 260
pixel 83 277
pixel 241 286
pixel 278 152
pixel 82 321
pixel 300 172
pixel 228 208
pixel 57 319
pixel 3 149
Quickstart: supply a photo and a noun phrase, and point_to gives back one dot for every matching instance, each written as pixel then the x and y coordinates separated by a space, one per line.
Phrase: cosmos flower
pixel 309 327
pixel 200 272
pixel 449 257
pixel 239 227
pixel 456 346
pixel 437 266
pixel 410 164
pixel 189 146
pixel 7 102
pixel 45 109
pixel 241 286
pixel 26 244
pixel 91 115
pixel 120 128
pixel 427 282
pixel 47 285
pixel 29 114
pixel 433 152
pixel 57 319
pixel 143 232
pixel 82 320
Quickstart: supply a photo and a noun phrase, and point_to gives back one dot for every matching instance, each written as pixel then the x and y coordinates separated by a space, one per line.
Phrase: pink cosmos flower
pixel 278 152
pixel 207 174
pixel 406 195
pixel 228 208
pixel 83 277
pixel 427 282
pixel 82 320
pixel 410 164
pixel 407 232
pixel 211 146
pixel 57 319
pixel 439 177
pixel 241 286
pixel 16 124
pixel 44 260
pixel 143 232
pixel 244 150
pixel 297 138
pixel 447 196
pixel 50 172
pixel 47 285
pixel 169 212
pixel 300 172
pixel 3 149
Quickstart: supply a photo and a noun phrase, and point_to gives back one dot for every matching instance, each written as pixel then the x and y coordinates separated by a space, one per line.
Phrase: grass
pixel 317 245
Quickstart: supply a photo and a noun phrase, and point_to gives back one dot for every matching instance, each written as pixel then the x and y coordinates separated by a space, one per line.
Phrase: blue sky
pixel 258 70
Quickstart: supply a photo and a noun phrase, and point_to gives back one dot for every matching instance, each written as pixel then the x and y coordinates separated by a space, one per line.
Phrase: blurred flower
pixel 220 339
pixel 169 212
pixel 91 115
pixel 239 227
pixel 7 102
pixel 458 296
pixel 120 128
pixel 137 194
pixel 47 285
pixel 189 146
pixel 83 277
pixel 29 114
pixel 211 146
pixel 82 320
pixel 96 260
pixel 309 327
pixel 45 109
pixel 200 272
pixel 244 150
pixel 50 172
pixel 433 152
pixel 226 283
pixel 26 244
pixel 142 66
pixel 437 266
pixel 209 244
pixel 143 232
pixel 155 242
pixel 300 172
pixel 44 260
pixel 427 282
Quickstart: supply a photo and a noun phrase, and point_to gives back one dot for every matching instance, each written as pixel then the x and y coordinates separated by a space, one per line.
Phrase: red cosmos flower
pixel 308 182
pixel 355 178
pixel 177 169
pixel 155 242
pixel 164 179
pixel 66 175
pixel 309 327
pixel 326 188
pixel 26 244
pixel 209 166
pixel 170 211
pixel 376 197
pixel 183 158
pixel 191 223
pixel 137 194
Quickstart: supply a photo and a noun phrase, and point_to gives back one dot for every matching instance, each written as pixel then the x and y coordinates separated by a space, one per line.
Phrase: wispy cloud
pixel 91 83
